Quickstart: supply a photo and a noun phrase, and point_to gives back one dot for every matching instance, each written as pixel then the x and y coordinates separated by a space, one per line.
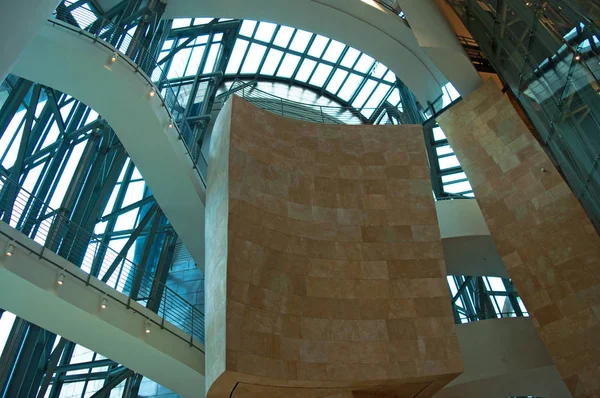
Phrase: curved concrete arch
pixel 74 64
pixel 383 36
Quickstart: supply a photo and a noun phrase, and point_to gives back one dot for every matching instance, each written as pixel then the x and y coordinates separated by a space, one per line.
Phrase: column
pixel 548 244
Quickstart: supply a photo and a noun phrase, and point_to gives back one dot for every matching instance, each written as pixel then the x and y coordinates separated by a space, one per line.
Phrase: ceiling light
pixel 152 93
pixel 104 303
pixel 10 250
pixel 577 57
pixel 147 327
pixel 170 124
pixel 61 278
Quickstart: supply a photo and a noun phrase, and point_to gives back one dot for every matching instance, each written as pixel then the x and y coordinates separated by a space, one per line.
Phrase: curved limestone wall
pixel 324 268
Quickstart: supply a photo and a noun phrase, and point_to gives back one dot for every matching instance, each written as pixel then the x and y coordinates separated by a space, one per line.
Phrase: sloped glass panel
pixel 283 36
pixel 350 86
pixel 318 45
pixel 288 66
pixel 255 55
pixel 350 58
pixel 364 93
pixel 308 65
pixel 364 63
pixel 247 28
pixel 272 62
pixel 336 81
pixel 334 51
pixel 321 75
pixel 300 41
pixel 236 56
pixel 265 31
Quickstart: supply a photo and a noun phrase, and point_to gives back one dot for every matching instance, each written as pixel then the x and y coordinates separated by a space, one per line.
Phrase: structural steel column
pixel 19 23
pixel 548 244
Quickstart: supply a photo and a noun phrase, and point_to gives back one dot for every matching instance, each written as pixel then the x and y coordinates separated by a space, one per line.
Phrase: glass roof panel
pixel 321 74
pixel 247 28
pixel 308 65
pixel 318 45
pixel 195 59
pixel 181 23
pixel 265 31
pixel 300 41
pixel 236 56
pixel 336 81
pixel 350 58
pixel 364 93
pixel 390 77
pixel 254 57
pixel 288 66
pixel 350 86
pixel 212 58
pixel 379 70
pixel 272 62
pixel 202 21
pixel 334 51
pixel 364 63
pixel 394 97
pixel 378 96
pixel 283 36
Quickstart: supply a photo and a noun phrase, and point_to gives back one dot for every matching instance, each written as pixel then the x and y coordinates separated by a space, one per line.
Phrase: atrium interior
pixel 309 198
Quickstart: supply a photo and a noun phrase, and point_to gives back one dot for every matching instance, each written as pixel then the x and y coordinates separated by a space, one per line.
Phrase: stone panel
pixel 546 240
pixel 325 271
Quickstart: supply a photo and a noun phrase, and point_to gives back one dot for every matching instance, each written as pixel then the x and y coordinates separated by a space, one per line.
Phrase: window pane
pixel 212 58
pixel 364 93
pixel 255 55
pixel 450 161
pixel 364 63
pixel 247 28
pixel 350 86
pixel 179 63
pixel 318 45
pixel 288 65
pixel 378 95
pixel 181 23
pixel 272 62
pixel 444 150
pixel 458 187
pixel 379 70
pixel 334 51
pixel 454 177
pixel 321 75
pixel 300 40
pixel 283 36
pixel 195 60
pixel 394 97
pixel 336 81
pixel 236 56
pixel 305 70
pixel 350 57
pixel 265 31
pixel 390 77
pixel 438 134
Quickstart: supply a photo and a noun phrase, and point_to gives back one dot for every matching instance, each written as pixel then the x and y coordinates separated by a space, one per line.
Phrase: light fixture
pixel 10 250
pixel 170 124
pixel 110 61
pixel 147 327
pixel 113 57
pixel 152 93
pixel 577 57
pixel 61 278
pixel 103 303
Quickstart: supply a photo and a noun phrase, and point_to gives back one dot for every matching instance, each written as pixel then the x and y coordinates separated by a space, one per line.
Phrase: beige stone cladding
pixel 325 273
pixel 546 240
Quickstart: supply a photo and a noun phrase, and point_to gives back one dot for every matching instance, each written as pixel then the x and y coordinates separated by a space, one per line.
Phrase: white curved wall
pixel 72 63
pixel 504 358
pixel 383 36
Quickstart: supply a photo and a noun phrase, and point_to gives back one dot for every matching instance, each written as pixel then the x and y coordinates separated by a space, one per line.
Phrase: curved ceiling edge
pixel 383 36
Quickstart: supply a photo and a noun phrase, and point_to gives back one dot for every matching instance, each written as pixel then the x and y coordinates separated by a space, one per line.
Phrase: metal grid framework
pixel 62 153
pixel 548 53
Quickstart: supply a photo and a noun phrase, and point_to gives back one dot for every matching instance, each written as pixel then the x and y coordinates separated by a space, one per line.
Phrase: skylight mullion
pixel 269 47
pixel 337 66
pixel 303 57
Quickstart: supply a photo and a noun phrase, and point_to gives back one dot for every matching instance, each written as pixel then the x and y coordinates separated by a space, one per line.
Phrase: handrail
pixel 125 47
pixel 28 214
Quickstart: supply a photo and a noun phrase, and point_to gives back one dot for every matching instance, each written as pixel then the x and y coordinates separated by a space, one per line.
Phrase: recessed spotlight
pixel 10 250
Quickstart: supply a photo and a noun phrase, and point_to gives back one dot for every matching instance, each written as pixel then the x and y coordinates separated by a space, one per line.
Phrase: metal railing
pixel 125 48
pixel 54 231
pixel 298 110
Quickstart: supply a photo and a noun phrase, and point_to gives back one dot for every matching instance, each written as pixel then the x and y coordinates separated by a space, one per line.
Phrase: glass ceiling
pixel 266 50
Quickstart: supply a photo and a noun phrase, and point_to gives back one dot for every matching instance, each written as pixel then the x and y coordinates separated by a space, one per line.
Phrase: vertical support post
pixel 322 116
